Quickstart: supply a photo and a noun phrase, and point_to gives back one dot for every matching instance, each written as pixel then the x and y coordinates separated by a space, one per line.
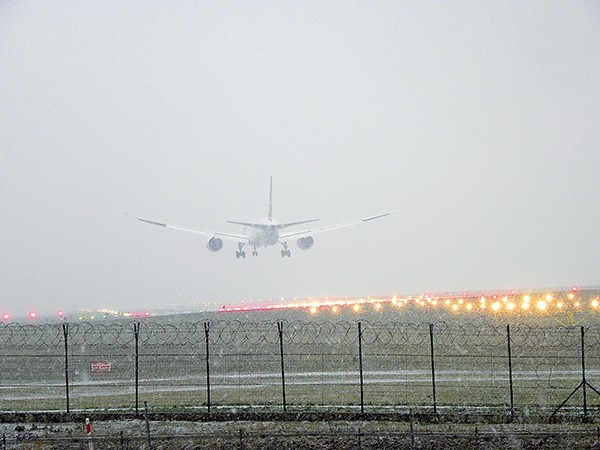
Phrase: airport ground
pixel 463 421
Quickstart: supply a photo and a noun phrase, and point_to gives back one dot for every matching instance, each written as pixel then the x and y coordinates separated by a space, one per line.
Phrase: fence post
pixel 360 365
pixel 136 331
pixel 510 373
pixel 65 327
pixel 206 332
pixel 583 381
pixel 433 371
pixel 412 430
pixel 147 425
pixel 280 330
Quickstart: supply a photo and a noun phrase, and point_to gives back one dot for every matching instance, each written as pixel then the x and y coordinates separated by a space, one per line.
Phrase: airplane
pixel 264 232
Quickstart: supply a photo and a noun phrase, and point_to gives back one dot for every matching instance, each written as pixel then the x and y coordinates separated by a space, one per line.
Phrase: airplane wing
pixel 309 232
pixel 226 236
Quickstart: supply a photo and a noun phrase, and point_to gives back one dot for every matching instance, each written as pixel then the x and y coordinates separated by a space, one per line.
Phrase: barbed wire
pixel 299 333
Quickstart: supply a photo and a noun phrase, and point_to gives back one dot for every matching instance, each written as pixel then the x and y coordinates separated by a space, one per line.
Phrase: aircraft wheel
pixel 243 254
pixel 283 252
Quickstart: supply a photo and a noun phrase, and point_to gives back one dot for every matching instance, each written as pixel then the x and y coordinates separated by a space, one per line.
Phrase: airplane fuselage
pixel 263 237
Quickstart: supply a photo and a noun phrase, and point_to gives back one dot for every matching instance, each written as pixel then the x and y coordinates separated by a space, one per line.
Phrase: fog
pixel 480 120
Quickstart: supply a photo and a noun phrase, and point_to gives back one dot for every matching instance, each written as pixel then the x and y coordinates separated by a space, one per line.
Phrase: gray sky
pixel 481 119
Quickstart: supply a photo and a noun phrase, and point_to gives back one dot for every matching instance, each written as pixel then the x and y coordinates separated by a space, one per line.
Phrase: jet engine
pixel 306 242
pixel 215 244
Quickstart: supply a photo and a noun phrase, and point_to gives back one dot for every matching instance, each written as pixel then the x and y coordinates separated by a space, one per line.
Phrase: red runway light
pixel 33 315
pixel 6 317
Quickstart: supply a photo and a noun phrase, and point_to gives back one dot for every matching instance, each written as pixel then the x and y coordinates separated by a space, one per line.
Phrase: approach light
pixel 496 306
pixel 356 307
pixel 60 314
pixel 313 309
pixel 335 308
pixel 5 317
pixel 560 305
pixel 595 303
pixel 33 315
pixel 377 306
pixel 510 306
pixel 541 305
pixel 548 297
pixel 525 306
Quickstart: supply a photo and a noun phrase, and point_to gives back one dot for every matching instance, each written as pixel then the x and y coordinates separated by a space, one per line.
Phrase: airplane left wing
pixel 309 232
pixel 226 236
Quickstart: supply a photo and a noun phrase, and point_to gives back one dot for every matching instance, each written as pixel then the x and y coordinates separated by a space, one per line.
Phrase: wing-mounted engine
pixel 306 242
pixel 215 244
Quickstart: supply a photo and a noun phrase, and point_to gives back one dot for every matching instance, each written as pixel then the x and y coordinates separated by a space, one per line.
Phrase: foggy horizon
pixel 480 121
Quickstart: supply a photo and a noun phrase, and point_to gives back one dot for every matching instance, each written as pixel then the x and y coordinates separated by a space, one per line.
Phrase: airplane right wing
pixel 226 236
pixel 309 232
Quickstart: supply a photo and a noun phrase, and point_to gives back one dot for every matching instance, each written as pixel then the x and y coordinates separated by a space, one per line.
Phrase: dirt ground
pixel 133 434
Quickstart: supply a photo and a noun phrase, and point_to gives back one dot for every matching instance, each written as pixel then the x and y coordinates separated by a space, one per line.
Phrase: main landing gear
pixel 254 251
pixel 240 253
pixel 285 252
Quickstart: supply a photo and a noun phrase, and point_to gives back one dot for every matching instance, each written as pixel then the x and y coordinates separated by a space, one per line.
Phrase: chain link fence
pixel 299 366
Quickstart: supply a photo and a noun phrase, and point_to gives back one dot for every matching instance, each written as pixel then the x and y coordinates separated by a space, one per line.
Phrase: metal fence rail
pixel 299 366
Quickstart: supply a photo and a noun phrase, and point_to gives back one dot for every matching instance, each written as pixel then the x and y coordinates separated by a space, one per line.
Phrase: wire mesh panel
pixel 116 365
pixel 547 364
pixel 322 363
pixel 32 367
pixel 244 365
pixel 101 370
pixel 172 364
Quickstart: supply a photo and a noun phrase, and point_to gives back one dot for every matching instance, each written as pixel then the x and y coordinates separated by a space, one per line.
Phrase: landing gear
pixel 254 251
pixel 240 253
pixel 285 252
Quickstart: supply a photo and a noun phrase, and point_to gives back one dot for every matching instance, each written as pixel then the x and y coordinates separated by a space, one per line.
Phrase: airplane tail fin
pixel 271 199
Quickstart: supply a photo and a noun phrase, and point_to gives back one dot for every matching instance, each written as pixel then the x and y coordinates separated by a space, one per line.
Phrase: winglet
pixel 366 219
pixel 160 224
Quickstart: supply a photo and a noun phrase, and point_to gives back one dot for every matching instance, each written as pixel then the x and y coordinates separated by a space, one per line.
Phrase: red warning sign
pixel 100 366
